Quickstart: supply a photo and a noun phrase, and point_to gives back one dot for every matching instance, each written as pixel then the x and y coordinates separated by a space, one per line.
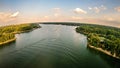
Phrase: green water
pixel 53 46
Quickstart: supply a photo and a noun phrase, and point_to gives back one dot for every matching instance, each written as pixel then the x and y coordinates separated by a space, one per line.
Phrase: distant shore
pixel 103 51
pixel 8 41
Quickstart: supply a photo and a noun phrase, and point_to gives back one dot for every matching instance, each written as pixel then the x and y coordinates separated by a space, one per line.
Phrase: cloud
pixel 109 21
pixel 7 17
pixel 57 12
pixel 97 9
pixel 117 9
pixel 89 8
pixel 57 9
pixel 15 14
pixel 76 18
pixel 79 11
pixel 46 16
pixel 109 18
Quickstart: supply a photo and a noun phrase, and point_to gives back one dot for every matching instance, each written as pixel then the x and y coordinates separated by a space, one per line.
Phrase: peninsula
pixel 7 33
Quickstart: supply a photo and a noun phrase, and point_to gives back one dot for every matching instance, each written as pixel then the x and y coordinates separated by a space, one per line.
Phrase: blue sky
pixel 104 12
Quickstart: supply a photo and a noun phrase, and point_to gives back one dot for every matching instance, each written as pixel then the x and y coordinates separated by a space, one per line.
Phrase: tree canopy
pixel 8 32
pixel 107 38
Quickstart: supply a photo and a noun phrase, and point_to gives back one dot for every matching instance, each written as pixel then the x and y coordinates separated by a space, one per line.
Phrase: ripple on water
pixel 47 48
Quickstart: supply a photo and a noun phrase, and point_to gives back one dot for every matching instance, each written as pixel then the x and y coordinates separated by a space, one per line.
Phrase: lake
pixel 53 46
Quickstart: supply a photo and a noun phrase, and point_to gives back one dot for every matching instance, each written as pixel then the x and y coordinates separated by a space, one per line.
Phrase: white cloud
pixel 79 11
pixel 15 14
pixel 97 9
pixel 89 8
pixel 117 9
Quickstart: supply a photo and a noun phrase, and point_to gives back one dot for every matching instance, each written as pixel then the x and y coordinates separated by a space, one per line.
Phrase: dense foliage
pixel 8 32
pixel 107 38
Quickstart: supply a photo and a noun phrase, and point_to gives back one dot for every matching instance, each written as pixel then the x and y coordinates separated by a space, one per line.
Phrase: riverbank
pixel 7 33
pixel 24 31
pixel 14 39
pixel 8 41
pixel 102 38
pixel 103 51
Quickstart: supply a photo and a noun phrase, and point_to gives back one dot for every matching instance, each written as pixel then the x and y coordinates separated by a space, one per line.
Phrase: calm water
pixel 53 46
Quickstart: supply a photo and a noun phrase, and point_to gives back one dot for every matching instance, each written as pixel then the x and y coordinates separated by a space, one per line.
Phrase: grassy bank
pixel 7 33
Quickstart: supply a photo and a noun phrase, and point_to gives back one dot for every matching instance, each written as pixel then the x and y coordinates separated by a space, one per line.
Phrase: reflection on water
pixel 52 46
pixel 115 63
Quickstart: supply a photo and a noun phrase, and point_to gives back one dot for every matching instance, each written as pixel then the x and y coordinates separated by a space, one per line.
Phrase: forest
pixel 105 37
pixel 8 32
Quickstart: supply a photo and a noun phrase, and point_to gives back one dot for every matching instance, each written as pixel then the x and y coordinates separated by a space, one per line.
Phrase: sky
pixel 104 12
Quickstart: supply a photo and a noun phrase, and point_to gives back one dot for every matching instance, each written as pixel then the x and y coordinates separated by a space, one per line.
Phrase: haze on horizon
pixel 104 12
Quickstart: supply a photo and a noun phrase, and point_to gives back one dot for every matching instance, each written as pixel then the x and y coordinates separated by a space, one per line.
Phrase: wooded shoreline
pixel 102 38
pixel 7 33
pixel 103 51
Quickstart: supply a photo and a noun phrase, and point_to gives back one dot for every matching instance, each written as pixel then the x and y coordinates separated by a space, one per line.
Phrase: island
pixel 105 39
pixel 7 33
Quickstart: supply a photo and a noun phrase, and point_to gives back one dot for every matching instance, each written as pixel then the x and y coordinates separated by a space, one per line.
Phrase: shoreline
pixel 103 51
pixel 25 31
pixel 14 39
pixel 8 41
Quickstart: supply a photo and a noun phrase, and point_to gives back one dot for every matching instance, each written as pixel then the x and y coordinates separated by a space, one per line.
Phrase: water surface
pixel 53 46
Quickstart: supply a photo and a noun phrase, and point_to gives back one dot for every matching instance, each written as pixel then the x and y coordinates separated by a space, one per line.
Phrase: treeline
pixel 63 23
pixel 107 38
pixel 8 32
